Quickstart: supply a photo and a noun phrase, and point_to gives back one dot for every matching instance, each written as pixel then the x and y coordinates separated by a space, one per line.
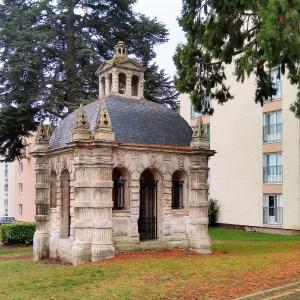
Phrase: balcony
pixel 272 174
pixel 272 215
pixel 272 133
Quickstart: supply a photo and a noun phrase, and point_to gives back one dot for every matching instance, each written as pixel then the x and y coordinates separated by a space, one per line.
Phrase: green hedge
pixel 17 234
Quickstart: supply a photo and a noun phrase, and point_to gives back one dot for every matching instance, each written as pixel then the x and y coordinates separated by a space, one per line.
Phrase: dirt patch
pixel 16 256
pixel 244 283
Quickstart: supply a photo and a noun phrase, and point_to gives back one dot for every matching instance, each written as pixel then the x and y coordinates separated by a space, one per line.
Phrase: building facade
pixel 117 175
pixel 255 174
pixel 24 184
pixel 7 191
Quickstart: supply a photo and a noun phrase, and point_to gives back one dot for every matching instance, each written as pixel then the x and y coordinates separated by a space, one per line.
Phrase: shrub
pixel 213 211
pixel 17 234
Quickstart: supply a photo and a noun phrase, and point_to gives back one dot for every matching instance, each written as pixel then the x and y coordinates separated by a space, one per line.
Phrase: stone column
pixel 198 210
pixel 128 84
pixel 83 222
pixel 135 205
pixel 42 201
pixel 167 203
pixel 141 87
pixel 115 83
pixel 106 85
pixel 102 204
pixel 92 205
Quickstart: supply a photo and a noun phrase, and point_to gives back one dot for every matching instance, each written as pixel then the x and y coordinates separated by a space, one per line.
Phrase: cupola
pixel 121 75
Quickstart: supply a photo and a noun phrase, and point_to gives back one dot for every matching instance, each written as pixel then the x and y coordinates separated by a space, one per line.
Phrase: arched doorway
pixel 147 224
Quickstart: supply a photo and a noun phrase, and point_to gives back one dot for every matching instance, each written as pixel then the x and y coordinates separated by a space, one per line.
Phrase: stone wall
pixel 96 229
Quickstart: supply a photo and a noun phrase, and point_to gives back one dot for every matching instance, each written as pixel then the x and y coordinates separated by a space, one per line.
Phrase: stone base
pixel 151 245
pixel 99 252
pixel 80 253
pixel 40 245
pixel 201 245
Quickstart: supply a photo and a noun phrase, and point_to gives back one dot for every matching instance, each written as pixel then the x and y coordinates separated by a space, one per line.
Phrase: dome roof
pixel 136 121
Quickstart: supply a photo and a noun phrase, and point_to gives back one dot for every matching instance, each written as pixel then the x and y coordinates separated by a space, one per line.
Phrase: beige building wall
pixel 24 184
pixel 6 189
pixel 236 171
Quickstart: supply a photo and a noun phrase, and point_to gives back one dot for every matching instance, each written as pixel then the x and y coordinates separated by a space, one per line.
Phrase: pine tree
pixel 49 53
pixel 255 36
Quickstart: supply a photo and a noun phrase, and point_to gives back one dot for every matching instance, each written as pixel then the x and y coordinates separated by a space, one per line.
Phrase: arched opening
pixel 52 189
pixel 65 204
pixel 109 83
pixel 120 189
pixel 179 189
pixel 147 223
pixel 135 85
pixel 103 86
pixel 122 83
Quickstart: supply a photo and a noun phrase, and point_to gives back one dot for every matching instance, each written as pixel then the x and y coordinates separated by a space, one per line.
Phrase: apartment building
pixel 255 174
pixel 24 184
pixel 6 189
pixel 17 186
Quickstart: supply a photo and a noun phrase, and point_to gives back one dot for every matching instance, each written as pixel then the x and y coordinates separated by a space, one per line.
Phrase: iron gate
pixel 147 222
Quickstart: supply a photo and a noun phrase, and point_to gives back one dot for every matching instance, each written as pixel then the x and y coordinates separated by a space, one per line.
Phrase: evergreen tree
pixel 254 35
pixel 50 51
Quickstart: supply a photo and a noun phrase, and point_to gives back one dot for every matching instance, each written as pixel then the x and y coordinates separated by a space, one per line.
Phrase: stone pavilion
pixel 121 173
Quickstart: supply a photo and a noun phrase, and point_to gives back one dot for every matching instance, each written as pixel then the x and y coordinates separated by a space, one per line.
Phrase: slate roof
pixel 133 120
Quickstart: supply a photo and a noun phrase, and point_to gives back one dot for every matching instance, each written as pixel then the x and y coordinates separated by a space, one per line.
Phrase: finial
pixel 82 127
pixel 104 129
pixel 121 49
pixel 199 138
pixel 42 137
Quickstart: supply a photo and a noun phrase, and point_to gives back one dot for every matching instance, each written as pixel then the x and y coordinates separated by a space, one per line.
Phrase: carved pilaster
pixel 93 207
pixel 198 210
pixel 41 235
pixel 102 245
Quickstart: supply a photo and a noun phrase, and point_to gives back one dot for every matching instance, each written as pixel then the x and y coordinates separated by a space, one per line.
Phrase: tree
pixel 49 53
pixel 254 35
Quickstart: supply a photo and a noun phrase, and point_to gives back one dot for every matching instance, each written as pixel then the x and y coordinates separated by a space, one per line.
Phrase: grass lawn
pixel 241 263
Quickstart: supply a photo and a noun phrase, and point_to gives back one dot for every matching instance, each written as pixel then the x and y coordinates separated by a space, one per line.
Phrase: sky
pixel 166 12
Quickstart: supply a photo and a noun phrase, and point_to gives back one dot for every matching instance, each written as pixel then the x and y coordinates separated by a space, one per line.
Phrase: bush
pixel 213 211
pixel 17 234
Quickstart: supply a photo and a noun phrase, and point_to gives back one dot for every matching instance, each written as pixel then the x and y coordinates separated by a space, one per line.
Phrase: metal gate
pixel 147 222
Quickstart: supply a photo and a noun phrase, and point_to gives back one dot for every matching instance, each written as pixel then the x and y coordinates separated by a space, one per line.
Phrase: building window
pixel 272 211
pixel 20 167
pixel 6 170
pixel 276 84
pixel 20 188
pixel 178 189
pixel 6 212
pixel 6 185
pixel 206 106
pixel 194 114
pixel 273 127
pixel 5 202
pixel 272 167
pixel 120 188
pixel 207 130
pixel 20 209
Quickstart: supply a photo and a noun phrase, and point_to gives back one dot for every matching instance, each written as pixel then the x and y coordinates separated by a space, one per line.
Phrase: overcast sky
pixel 166 12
